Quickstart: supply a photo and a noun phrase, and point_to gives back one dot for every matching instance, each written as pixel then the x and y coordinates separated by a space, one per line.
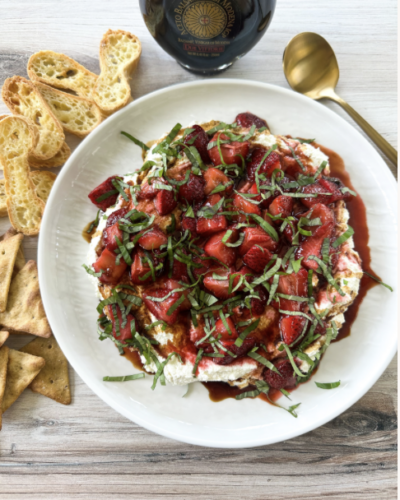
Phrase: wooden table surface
pixel 87 450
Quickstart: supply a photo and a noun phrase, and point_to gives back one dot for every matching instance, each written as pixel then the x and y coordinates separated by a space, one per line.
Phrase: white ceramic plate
pixel 70 302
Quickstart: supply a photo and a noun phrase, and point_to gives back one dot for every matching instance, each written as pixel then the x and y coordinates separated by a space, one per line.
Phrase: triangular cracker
pixel 20 260
pixel 3 336
pixel 22 368
pixel 53 380
pixel 8 253
pixel 3 374
pixel 25 312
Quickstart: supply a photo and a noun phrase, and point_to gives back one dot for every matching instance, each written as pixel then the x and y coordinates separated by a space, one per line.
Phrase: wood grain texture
pixel 87 450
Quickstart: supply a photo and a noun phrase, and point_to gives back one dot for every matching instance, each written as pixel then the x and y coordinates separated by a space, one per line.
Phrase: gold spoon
pixel 311 68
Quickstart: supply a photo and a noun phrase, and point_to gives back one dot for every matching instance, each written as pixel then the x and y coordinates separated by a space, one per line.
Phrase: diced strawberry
pixel 193 190
pixel 240 203
pixel 148 191
pixel 286 379
pixel 104 188
pixel 282 205
pixel 218 287
pixel 206 227
pixel 125 332
pixel 231 151
pixel 214 177
pixel 205 265
pixel 327 217
pixel 173 284
pixel 257 258
pixel 258 305
pixel 153 239
pixel 179 271
pixel 254 190
pixel 288 231
pixel 334 186
pixel 165 202
pixel 212 200
pixel 291 328
pixel 293 284
pixel 189 224
pixel 320 198
pixel 111 271
pixel 140 267
pixel 290 166
pixel 247 119
pixel 256 236
pixel 216 248
pixel 110 235
pixel 115 216
pixel 222 333
pixel 311 246
pixel 268 166
pixel 160 309
pixel 200 142
pixel 238 352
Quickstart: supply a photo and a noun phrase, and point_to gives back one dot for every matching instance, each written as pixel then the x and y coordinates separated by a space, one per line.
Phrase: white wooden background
pixel 86 450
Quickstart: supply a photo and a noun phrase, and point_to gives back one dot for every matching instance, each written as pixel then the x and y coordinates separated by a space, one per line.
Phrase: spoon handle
pixel 375 136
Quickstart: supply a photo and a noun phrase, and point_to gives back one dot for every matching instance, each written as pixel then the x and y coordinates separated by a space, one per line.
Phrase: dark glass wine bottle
pixel 207 36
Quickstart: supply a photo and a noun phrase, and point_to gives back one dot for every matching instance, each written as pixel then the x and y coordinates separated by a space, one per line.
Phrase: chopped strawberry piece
pixel 104 188
pixel 140 267
pixel 125 332
pixel 269 165
pixel 200 142
pixel 115 216
pixel 238 352
pixel 218 287
pixel 327 217
pixel 205 265
pixel 110 235
pixel 214 178
pixel 165 202
pixel 189 224
pixel 206 227
pixel 153 239
pixel 254 190
pixel 334 186
pixel 246 120
pixel 320 198
pixel 293 284
pixel 256 236
pixel 258 305
pixel 179 269
pixel 291 328
pixel 257 258
pixel 160 309
pixel 148 191
pixel 240 203
pixel 231 151
pixel 311 246
pixel 222 333
pixel 193 190
pixel 216 248
pixel 290 166
pixel 112 272
pixel 172 284
pixel 286 379
pixel 282 205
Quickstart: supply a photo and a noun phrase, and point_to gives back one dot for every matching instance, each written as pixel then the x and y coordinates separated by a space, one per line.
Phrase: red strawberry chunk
pixel 222 333
pixel 333 186
pixel 320 198
pixel 172 284
pixel 148 191
pixel 257 258
pixel 290 166
pixel 125 332
pixel 193 190
pixel 140 267
pixel 153 239
pixel 240 203
pixel 115 216
pixel 189 224
pixel 214 178
pixel 246 120
pixel 293 284
pixel 231 151
pixel 258 305
pixel 179 270
pixel 216 248
pixel 160 309
pixel 110 235
pixel 200 143
pixel 291 328
pixel 206 227
pixel 205 265
pixel 256 236
pixel 112 272
pixel 311 246
pixel 282 205
pixel 268 166
pixel 218 287
pixel 286 379
pixel 165 202
pixel 327 217
pixel 238 352
pixel 102 189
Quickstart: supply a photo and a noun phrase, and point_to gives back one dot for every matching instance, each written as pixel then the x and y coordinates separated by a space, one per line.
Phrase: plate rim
pixel 46 298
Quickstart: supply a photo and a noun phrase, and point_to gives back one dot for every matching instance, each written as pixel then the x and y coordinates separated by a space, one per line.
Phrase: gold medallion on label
pixel 204 20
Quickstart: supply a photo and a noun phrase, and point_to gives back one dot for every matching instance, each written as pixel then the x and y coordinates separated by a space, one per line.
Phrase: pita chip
pixel 25 312
pixel 20 260
pixel 8 253
pixel 3 374
pixel 53 380
pixel 3 336
pixel 22 368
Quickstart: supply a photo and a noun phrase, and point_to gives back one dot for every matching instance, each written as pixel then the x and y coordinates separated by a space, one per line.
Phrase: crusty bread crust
pixel 22 98
pixel 17 138
pixel 43 182
pixel 77 115
pixel 119 56
pixel 57 160
pixel 62 72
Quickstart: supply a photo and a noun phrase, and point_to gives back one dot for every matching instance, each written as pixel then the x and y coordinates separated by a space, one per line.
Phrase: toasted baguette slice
pixel 59 70
pixel 77 115
pixel 119 55
pixel 22 98
pixel 17 138
pixel 43 182
pixel 58 160
pixel 3 199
